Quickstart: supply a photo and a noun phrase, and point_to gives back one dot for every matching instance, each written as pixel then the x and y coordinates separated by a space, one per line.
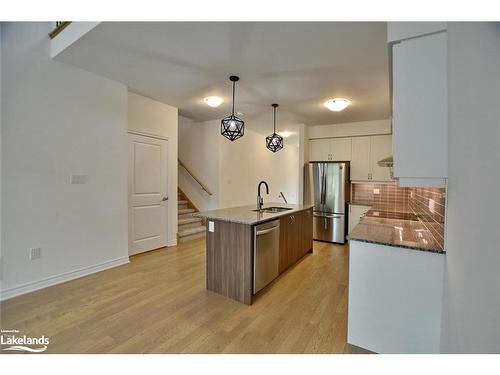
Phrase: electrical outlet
pixel 35 253
pixel 432 205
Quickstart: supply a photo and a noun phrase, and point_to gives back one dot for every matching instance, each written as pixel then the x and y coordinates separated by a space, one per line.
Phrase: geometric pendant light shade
pixel 231 126
pixel 274 142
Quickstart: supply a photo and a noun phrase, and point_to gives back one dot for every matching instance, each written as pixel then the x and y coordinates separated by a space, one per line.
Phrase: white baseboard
pixel 61 278
pixel 172 242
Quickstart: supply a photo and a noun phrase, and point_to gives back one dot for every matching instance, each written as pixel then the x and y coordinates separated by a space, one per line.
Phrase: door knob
pixel 164 199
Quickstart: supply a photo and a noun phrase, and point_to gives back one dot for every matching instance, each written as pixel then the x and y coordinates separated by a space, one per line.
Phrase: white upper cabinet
pixel 380 148
pixel 341 149
pixel 420 109
pixel 330 149
pixel 366 152
pixel 360 161
pixel 319 149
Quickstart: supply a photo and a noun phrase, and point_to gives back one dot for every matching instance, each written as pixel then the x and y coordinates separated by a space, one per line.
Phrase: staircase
pixel 189 227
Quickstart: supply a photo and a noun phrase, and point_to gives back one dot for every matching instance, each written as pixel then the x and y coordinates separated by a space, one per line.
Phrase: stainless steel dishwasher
pixel 265 254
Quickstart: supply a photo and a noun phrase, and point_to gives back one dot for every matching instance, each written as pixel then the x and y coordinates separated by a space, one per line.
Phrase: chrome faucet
pixel 260 200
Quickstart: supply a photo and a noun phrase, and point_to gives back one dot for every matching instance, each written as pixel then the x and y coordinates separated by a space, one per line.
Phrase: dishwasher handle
pixel 265 231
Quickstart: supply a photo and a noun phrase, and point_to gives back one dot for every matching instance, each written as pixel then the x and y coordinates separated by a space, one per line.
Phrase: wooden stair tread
pixel 189 231
pixel 188 220
pixel 186 211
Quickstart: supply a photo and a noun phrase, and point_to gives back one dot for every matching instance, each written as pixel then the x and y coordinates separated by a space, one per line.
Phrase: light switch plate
pixel 77 179
pixel 211 226
pixel 35 253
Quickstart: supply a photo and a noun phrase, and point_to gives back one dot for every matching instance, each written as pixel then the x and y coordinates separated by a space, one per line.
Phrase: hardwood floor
pixel 158 304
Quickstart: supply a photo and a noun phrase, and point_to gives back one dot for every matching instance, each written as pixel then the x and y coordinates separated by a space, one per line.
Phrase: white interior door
pixel 148 201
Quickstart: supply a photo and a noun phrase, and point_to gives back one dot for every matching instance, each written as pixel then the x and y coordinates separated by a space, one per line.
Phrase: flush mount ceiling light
pixel 337 104
pixel 285 134
pixel 231 126
pixel 274 142
pixel 213 101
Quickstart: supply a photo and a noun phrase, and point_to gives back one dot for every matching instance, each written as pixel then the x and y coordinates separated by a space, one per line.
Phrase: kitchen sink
pixel 273 209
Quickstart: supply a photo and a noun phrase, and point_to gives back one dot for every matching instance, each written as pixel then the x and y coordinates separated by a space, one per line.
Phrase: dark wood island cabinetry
pixel 230 245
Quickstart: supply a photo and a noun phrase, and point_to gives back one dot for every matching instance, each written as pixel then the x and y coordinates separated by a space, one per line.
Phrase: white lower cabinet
pixel 395 299
pixel 356 212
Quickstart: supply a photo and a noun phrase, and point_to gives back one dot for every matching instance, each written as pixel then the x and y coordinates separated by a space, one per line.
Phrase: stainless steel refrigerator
pixel 327 188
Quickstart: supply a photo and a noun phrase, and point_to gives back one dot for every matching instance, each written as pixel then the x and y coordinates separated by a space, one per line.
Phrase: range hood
pixel 386 162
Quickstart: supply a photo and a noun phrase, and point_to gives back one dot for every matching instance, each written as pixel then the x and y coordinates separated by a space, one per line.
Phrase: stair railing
pixel 202 185
pixel 59 26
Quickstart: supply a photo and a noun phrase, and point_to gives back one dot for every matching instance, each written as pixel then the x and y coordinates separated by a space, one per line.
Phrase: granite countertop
pixel 246 215
pixel 398 232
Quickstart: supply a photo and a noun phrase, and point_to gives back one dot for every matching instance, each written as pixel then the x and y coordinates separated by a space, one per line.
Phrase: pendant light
pixel 231 126
pixel 274 142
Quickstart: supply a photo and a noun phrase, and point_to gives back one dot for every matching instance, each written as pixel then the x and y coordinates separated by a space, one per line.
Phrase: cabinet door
pixel 420 135
pixel 360 162
pixel 304 228
pixel 341 149
pixel 288 242
pixel 355 214
pixel 307 230
pixel 380 148
pixel 319 150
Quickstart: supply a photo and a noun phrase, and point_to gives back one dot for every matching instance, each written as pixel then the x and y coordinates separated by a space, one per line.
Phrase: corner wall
pixel 155 118
pixel 247 161
pixel 199 151
pixel 471 305
pixel 232 170
pixel 58 121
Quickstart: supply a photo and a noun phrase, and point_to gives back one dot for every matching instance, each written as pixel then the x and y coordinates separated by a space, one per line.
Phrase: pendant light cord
pixel 274 119
pixel 233 96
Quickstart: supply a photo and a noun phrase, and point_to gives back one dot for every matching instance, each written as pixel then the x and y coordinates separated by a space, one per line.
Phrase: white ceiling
pixel 298 65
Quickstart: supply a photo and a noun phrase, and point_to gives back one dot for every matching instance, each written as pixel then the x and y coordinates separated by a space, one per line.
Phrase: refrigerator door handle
pixel 329 216
pixel 323 188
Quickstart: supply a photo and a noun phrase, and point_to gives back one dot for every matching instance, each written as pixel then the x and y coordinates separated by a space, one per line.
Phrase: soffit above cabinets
pixel 299 65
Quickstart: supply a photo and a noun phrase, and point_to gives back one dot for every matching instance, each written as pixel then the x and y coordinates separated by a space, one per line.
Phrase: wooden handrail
pixel 203 186
pixel 60 26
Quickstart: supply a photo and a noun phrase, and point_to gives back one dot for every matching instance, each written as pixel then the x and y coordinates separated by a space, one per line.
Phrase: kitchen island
pixel 234 261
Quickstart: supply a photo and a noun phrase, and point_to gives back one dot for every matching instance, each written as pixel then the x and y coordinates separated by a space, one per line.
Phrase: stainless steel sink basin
pixel 273 209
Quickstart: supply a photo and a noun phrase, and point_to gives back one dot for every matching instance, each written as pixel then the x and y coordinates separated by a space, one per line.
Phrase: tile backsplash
pixel 427 203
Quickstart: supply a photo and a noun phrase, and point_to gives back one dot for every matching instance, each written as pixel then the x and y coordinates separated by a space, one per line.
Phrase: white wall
pixel 471 308
pixel 152 117
pixel 199 151
pixel 58 120
pixel 351 129
pixel 247 161
pixel 232 170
